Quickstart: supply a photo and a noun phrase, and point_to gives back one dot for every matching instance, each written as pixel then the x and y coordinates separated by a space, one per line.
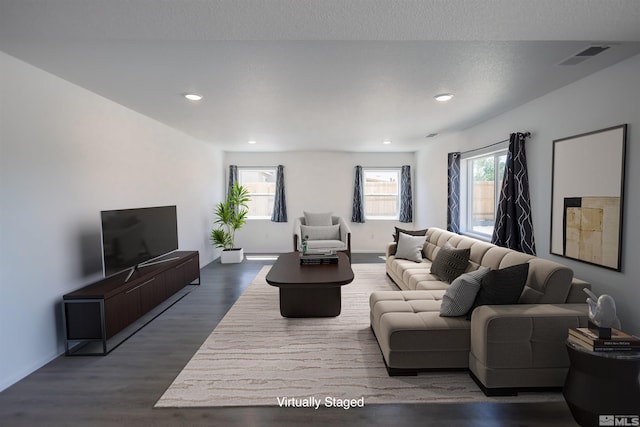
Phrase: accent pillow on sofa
pixel 409 232
pixel 450 262
pixel 326 232
pixel 459 297
pixel 502 286
pixel 318 219
pixel 410 247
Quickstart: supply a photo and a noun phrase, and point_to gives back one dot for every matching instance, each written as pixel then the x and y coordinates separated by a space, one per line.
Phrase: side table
pixel 602 384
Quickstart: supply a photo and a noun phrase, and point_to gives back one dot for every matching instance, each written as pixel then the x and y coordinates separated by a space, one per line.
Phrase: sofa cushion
pixel 410 247
pixel 318 219
pixel 411 333
pixel 409 232
pixel 450 262
pixel 326 232
pixel 326 245
pixel 461 294
pixel 502 286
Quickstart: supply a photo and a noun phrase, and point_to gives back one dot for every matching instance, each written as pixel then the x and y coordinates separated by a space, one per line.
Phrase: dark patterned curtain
pixel 406 199
pixel 233 177
pixel 514 227
pixel 357 211
pixel 453 192
pixel 280 202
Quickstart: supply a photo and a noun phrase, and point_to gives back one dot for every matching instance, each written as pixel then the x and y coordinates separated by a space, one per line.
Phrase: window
pixel 481 180
pixel 261 183
pixel 381 189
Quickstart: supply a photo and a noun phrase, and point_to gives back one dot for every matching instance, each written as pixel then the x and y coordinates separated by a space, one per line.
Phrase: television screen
pixel 134 236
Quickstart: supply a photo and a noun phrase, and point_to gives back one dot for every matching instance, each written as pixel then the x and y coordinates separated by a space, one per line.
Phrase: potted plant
pixel 231 216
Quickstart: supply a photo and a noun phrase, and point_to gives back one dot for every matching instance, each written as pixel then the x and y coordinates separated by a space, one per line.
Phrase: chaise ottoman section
pixel 411 334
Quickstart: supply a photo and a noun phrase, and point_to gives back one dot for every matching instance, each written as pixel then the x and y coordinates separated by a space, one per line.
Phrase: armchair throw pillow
pixel 325 232
pixel 410 247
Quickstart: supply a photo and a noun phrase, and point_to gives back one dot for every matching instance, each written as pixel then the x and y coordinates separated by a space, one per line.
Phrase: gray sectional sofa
pixel 506 348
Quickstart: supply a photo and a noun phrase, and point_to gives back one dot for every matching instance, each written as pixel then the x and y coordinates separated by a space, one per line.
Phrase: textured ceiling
pixel 318 75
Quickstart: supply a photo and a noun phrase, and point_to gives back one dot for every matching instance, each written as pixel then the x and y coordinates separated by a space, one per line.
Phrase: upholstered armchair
pixel 326 232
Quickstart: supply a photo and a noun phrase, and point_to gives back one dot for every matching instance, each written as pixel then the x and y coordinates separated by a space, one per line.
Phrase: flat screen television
pixel 133 237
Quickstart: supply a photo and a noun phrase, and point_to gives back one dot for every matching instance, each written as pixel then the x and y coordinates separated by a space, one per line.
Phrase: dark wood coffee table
pixel 309 290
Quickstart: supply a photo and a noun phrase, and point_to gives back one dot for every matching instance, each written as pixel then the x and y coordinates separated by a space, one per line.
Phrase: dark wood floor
pixel 121 388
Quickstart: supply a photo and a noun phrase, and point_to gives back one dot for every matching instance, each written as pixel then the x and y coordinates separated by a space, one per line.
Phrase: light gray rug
pixel 255 357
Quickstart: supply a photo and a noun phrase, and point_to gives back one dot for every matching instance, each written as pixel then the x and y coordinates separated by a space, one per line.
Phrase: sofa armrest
pixel 576 291
pixel 297 234
pixel 345 232
pixel 524 335
pixel 391 249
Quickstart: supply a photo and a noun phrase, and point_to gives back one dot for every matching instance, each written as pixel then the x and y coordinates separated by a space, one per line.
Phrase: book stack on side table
pixel 619 341
pixel 317 259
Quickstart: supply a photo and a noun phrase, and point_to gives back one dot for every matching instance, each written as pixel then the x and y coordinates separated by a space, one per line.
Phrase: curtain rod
pixel 526 135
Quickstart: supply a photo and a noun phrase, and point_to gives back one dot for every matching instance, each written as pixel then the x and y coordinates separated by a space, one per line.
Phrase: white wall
pixel 607 98
pixel 66 154
pixel 317 182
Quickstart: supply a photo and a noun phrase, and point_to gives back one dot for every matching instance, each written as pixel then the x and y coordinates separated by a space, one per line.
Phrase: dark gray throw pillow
pixel 502 286
pixel 409 232
pixel 450 262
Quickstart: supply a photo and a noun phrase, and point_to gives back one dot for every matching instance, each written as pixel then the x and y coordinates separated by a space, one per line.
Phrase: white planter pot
pixel 232 256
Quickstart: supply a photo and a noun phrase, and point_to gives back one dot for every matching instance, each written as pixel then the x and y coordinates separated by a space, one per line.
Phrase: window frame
pixel 272 169
pixel 466 183
pixel 398 172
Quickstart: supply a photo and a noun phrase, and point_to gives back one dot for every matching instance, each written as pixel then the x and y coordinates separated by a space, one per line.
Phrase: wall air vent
pixel 585 54
pixel 593 51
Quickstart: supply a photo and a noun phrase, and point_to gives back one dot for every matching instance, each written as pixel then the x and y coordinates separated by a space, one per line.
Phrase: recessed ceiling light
pixel 386 142
pixel 251 142
pixel 193 96
pixel 443 97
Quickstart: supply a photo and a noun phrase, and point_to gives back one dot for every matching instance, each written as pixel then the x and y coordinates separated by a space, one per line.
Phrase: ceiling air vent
pixel 587 53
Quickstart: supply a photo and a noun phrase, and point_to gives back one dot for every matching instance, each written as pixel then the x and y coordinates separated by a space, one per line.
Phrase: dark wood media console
pixel 99 311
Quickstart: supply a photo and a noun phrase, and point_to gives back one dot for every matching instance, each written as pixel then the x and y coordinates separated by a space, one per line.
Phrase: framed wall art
pixel 587 195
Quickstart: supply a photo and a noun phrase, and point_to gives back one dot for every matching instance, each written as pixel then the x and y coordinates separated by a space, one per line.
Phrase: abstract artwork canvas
pixel 587 197
pixel 590 227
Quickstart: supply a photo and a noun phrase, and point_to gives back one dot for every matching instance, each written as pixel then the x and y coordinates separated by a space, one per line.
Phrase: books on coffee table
pixel 317 259
pixel 619 341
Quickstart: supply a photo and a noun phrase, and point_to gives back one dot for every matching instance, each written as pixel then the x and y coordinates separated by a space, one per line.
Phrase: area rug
pixel 255 357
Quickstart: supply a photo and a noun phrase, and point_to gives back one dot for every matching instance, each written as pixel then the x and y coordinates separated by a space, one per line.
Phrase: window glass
pixel 261 184
pixel 482 187
pixel 381 189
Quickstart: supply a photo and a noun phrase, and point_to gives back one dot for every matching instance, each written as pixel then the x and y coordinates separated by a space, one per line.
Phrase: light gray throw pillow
pixel 460 295
pixel 410 247
pixel 326 232
pixel 318 219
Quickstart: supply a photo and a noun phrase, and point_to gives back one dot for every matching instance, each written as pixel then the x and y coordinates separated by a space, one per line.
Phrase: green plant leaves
pixel 231 215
